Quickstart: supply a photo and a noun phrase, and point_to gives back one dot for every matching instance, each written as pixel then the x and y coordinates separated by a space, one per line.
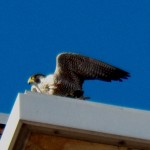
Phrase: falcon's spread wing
pixel 77 67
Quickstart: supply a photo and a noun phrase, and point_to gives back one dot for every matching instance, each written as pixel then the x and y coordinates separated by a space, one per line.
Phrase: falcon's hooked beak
pixel 31 80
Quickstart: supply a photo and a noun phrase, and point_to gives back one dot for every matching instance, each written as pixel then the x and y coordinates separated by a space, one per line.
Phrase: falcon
pixel 70 73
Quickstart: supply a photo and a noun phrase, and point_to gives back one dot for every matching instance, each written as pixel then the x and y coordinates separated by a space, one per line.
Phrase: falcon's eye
pixel 37 80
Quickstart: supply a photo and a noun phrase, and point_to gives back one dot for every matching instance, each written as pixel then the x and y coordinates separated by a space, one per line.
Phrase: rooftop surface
pixel 76 119
pixel 3 118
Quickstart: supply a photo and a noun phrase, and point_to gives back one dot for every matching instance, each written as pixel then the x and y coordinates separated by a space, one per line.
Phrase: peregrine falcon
pixel 71 72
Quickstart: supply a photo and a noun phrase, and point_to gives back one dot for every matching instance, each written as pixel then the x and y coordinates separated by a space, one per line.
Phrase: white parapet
pixel 110 123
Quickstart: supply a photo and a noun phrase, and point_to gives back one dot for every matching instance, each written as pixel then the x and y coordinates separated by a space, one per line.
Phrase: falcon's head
pixel 36 79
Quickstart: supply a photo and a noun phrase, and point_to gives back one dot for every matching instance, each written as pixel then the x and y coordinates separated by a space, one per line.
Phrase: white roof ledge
pixel 77 119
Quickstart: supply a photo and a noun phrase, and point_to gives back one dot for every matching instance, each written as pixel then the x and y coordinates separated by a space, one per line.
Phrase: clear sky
pixel 33 32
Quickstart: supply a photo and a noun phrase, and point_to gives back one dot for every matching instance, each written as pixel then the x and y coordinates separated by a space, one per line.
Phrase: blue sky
pixel 33 32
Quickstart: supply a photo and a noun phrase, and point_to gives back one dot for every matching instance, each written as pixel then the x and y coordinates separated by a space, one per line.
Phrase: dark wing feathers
pixel 86 68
